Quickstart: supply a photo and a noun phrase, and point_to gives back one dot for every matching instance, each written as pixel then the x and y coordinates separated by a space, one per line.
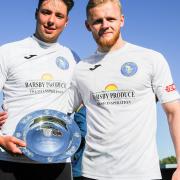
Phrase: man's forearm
pixel 174 125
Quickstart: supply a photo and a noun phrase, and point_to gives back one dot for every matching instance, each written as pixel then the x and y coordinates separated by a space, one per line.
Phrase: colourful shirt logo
pixel 62 63
pixel 170 88
pixel 129 69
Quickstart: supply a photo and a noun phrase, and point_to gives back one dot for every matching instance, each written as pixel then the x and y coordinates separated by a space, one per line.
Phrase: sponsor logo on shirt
pixel 47 77
pixel 113 95
pixel 170 88
pixel 30 56
pixel 129 69
pixel 95 67
pixel 111 87
pixel 62 63
pixel 46 85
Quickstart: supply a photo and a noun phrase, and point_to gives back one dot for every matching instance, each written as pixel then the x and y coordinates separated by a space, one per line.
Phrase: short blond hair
pixel 94 3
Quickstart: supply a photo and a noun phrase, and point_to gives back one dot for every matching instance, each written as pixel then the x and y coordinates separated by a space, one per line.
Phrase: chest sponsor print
pixel 47 76
pixel 46 85
pixel 113 95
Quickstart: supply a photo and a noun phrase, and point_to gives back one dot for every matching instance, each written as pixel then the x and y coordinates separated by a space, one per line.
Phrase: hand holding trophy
pixel 12 144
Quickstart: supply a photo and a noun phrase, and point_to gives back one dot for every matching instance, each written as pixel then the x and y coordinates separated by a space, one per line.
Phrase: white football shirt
pixel 33 76
pixel 119 91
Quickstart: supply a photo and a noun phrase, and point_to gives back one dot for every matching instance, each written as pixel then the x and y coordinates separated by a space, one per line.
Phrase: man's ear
pixel 87 25
pixel 66 22
pixel 36 14
pixel 122 20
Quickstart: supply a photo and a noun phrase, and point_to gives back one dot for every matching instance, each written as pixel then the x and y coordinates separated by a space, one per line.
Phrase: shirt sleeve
pixel 162 81
pixel 76 56
pixel 74 96
pixel 3 69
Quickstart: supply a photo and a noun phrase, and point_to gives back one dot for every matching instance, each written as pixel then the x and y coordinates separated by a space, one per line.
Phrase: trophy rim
pixel 72 127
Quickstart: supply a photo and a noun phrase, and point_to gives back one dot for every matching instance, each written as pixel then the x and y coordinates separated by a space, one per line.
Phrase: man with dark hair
pixel 69 4
pixel 119 85
pixel 34 74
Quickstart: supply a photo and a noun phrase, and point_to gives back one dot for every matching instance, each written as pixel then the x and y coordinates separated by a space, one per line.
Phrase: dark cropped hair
pixel 68 3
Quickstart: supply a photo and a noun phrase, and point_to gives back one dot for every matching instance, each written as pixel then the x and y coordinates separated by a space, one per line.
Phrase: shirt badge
pixel 129 69
pixel 62 63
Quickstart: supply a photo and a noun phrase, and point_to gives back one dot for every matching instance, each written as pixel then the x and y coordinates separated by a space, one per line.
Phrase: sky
pixel 152 24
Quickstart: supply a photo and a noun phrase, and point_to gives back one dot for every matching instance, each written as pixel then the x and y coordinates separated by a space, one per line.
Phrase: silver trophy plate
pixel 51 136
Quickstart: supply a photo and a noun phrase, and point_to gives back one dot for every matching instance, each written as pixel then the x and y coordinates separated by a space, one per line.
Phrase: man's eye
pixel 45 12
pixel 110 19
pixel 98 21
pixel 59 16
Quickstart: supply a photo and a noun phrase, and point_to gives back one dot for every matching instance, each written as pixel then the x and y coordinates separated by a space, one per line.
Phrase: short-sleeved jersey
pixel 119 90
pixel 33 75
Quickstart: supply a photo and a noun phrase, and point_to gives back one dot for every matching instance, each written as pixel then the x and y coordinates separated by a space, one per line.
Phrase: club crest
pixel 62 63
pixel 129 69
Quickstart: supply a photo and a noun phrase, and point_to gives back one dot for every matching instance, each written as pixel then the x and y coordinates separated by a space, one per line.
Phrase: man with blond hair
pixel 119 85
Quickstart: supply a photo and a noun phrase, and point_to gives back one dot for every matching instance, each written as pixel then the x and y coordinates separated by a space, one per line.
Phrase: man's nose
pixel 51 20
pixel 105 24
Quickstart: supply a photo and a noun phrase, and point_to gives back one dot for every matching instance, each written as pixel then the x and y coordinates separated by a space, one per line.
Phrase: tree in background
pixel 168 160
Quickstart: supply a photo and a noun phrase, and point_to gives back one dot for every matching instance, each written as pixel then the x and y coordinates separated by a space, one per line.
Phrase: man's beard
pixel 107 43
